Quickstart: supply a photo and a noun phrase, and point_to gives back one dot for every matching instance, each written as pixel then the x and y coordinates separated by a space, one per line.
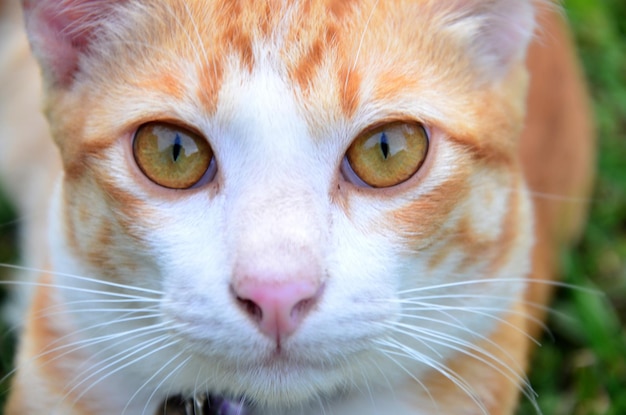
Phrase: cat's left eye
pixel 172 156
pixel 387 155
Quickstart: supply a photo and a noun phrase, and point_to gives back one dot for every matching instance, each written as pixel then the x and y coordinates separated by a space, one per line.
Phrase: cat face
pixel 294 199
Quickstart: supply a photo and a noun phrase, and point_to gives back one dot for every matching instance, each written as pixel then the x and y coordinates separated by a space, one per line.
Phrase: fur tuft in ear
pixel 496 32
pixel 61 30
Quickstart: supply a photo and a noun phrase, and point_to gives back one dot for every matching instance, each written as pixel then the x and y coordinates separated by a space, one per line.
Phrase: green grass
pixel 581 368
pixel 8 254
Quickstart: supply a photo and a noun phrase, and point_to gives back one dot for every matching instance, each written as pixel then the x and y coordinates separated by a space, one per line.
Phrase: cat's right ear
pixel 61 31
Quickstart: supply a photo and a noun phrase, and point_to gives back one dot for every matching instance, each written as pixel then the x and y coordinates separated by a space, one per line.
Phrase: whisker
pixel 555 197
pixel 322 406
pixel 385 343
pixel 115 358
pixel 102 310
pixel 468 349
pixel 60 309
pixel 197 382
pixel 133 301
pixel 384 376
pixel 502 281
pixel 72 347
pixel 536 194
pixel 361 41
pixel 183 28
pixel 165 378
pixel 422 330
pixel 77 277
pixel 448 373
pixel 514 374
pixel 114 370
pixel 124 335
pixel 422 300
pixel 67 307
pixel 196 30
pixel 370 392
pixel 106 324
pixel 482 311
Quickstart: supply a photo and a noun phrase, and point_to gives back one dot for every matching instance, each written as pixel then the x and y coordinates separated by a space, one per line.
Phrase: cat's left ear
pixel 497 32
pixel 61 31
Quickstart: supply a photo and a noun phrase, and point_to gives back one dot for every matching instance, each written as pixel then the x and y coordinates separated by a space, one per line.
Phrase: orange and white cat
pixel 287 207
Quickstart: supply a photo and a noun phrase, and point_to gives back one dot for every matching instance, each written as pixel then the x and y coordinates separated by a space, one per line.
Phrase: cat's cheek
pixel 456 290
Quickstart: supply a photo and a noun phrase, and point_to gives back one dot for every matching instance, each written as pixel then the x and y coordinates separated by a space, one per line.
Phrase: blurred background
pixel 581 367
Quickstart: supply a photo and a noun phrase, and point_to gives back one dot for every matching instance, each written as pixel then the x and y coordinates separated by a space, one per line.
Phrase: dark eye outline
pixel 350 175
pixel 208 175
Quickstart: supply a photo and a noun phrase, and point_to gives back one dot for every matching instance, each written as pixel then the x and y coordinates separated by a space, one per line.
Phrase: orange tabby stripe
pixel 341 9
pixel 103 259
pixel 166 83
pixel 425 215
pixel 492 152
pixel 210 76
pixel 306 68
pixel 350 91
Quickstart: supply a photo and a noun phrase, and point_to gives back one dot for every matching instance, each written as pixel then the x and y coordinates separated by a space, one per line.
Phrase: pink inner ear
pixel 511 27
pixel 60 30
pixel 502 30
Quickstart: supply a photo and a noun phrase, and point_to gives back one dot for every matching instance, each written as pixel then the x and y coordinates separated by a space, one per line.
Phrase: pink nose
pixel 277 308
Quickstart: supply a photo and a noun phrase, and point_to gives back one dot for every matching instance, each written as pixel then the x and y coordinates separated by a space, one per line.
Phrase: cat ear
pixel 499 31
pixel 60 31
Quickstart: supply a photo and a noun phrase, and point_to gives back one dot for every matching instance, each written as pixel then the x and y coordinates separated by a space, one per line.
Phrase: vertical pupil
pixel 177 147
pixel 384 145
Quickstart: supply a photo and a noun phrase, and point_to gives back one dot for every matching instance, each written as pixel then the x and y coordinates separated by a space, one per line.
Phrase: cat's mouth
pixel 203 404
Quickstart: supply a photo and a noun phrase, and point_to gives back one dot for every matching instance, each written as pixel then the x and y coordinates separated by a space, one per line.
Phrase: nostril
pixel 250 308
pixel 302 307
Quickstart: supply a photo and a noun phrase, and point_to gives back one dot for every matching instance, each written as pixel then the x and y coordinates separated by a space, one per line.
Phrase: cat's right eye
pixel 171 156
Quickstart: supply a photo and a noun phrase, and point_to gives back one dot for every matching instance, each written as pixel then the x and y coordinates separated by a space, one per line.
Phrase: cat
pixel 288 207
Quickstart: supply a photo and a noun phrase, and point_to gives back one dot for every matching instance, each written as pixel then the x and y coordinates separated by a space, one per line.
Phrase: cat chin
pixel 282 386
pixel 340 401
pixel 277 386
